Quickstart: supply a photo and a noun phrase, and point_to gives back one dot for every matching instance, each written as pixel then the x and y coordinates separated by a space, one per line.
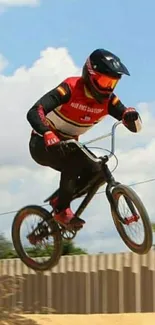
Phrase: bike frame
pixel 102 177
pixel 105 176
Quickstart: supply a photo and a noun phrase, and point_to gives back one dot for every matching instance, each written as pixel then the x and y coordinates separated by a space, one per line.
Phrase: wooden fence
pixel 86 284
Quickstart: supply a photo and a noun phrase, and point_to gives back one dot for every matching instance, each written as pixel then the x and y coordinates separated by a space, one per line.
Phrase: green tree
pixel 38 251
pixel 153 227
pixel 6 248
pixel 69 248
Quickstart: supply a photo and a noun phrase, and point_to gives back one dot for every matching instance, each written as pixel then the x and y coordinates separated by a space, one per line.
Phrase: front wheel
pixel 35 251
pixel 129 218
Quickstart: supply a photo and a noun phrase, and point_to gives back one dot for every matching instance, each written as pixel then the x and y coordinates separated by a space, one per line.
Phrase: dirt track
pixel 120 319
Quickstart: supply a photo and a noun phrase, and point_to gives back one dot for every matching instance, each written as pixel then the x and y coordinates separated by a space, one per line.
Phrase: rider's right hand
pixel 50 138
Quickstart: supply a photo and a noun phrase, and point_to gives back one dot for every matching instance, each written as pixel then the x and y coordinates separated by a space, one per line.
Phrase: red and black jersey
pixel 71 110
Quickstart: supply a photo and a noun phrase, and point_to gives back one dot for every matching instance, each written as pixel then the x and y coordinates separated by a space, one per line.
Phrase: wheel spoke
pixel 130 227
pixel 39 243
pixel 131 220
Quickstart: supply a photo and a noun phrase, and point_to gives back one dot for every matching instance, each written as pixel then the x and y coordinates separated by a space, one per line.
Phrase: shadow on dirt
pixel 15 319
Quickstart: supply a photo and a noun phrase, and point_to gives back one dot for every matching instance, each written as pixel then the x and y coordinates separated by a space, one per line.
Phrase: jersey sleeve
pixel 116 109
pixel 36 115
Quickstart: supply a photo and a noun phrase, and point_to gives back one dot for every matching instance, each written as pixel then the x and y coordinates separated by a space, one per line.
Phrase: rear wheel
pixel 128 219
pixel 35 251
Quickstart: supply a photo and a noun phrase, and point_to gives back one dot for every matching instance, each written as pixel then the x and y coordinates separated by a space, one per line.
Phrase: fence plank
pixel 82 284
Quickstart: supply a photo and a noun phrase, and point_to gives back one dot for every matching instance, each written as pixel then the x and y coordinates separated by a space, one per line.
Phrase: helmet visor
pixel 105 82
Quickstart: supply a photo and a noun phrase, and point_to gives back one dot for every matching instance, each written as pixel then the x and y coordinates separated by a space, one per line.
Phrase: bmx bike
pixel 47 227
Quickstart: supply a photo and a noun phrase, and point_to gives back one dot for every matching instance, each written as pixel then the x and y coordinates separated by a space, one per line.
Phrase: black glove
pixel 130 115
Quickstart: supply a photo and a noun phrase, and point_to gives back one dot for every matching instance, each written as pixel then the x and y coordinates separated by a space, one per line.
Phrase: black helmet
pixel 101 72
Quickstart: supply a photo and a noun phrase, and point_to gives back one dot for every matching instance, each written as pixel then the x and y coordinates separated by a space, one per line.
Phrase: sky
pixel 43 42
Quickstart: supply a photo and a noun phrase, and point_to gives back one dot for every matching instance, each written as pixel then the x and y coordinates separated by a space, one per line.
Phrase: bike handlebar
pixel 112 134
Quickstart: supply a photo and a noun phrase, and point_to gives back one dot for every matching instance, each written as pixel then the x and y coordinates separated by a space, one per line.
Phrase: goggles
pixel 105 81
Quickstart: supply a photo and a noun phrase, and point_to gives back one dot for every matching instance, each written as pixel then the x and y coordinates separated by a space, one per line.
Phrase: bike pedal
pixel 74 227
pixel 70 226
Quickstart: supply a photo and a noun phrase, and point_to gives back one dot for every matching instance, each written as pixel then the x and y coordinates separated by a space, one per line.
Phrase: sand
pixel 119 319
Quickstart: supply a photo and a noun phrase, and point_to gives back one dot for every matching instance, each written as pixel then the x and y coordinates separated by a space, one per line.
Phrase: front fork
pixel 111 183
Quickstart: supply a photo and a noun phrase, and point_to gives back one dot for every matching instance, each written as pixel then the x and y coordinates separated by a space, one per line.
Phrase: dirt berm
pixel 119 319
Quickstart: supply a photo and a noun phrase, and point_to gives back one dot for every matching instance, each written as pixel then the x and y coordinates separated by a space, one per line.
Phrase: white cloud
pixel 12 3
pixel 23 88
pixel 22 181
pixel 24 185
pixel 3 63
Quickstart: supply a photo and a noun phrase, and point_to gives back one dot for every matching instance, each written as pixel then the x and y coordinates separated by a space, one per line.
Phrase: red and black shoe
pixel 54 202
pixel 66 217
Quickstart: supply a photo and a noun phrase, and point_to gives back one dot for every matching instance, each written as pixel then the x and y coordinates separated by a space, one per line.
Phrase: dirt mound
pixel 119 319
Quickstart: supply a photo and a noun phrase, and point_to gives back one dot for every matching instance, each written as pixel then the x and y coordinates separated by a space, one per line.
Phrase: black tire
pixel 133 197
pixel 44 214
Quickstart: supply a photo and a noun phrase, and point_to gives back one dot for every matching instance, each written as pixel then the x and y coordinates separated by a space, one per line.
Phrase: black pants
pixel 71 166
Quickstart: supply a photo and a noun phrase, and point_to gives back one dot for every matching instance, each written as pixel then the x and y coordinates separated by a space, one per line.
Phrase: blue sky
pixel 125 27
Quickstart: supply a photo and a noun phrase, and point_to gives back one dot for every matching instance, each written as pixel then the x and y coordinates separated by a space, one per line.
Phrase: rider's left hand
pixel 130 115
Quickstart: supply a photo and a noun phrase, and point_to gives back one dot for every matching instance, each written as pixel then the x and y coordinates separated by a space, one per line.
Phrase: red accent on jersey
pixel 42 115
pixel 80 113
pixel 82 109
